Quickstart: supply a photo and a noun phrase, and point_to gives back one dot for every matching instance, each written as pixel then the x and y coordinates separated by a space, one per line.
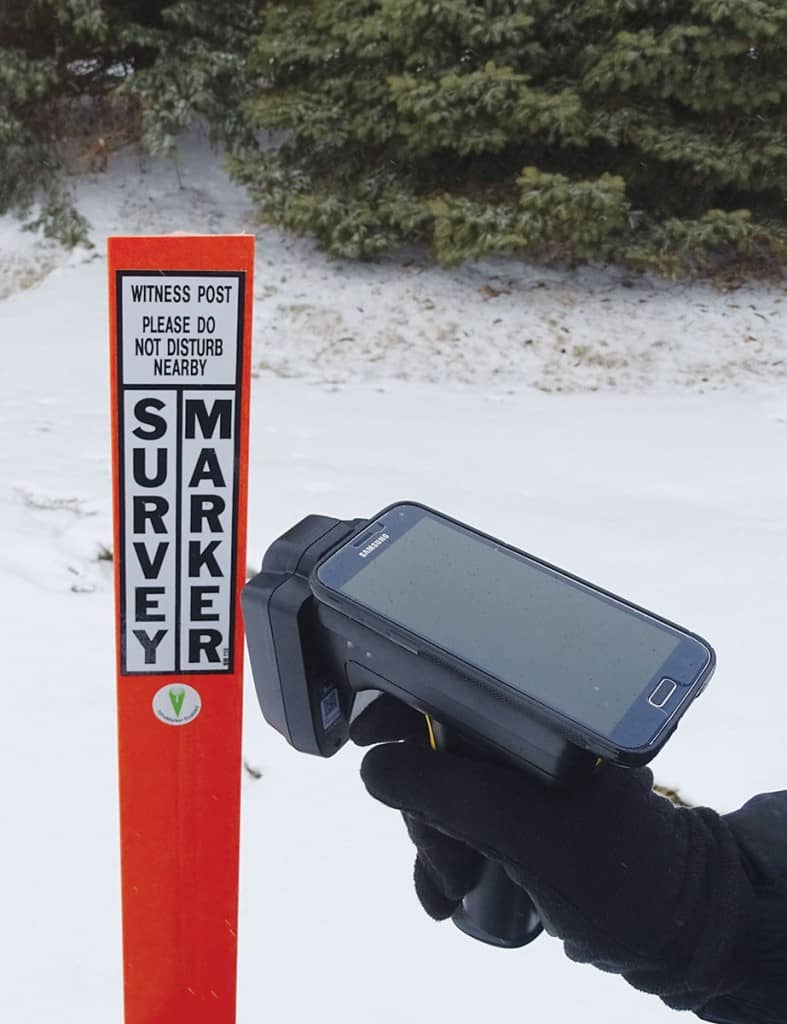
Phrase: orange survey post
pixel 180 331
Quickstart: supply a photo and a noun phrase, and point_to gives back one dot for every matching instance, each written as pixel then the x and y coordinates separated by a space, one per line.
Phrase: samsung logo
pixel 375 544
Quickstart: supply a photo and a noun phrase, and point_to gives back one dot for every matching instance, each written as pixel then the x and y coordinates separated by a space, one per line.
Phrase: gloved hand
pixel 629 882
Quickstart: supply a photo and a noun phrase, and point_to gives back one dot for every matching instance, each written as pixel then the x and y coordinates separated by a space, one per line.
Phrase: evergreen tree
pixel 200 72
pixel 60 61
pixel 648 132
pixel 81 78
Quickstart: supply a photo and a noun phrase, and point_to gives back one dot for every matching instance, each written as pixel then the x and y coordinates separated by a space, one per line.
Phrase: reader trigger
pixel 430 728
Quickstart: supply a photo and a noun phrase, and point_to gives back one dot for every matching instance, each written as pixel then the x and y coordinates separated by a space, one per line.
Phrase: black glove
pixel 629 882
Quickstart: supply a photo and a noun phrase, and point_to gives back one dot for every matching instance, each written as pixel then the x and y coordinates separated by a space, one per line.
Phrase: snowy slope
pixel 372 384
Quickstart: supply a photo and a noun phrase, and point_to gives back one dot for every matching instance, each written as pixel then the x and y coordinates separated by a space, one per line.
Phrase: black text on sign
pixel 180 351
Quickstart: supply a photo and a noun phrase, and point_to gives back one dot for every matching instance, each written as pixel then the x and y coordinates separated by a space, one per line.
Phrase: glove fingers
pixel 432 899
pixel 485 806
pixel 386 720
pixel 453 866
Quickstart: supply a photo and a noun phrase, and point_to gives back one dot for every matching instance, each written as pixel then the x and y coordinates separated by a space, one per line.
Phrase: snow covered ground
pixel 632 431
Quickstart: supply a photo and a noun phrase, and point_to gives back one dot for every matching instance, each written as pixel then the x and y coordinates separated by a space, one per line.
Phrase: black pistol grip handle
pixel 496 911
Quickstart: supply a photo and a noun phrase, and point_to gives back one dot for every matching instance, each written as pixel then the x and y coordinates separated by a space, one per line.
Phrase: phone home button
pixel 662 693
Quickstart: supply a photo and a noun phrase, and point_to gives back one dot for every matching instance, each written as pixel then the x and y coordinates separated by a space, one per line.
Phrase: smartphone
pixel 610 675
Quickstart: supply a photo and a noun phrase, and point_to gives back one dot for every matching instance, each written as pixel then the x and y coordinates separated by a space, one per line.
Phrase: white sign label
pixel 180 344
pixel 179 329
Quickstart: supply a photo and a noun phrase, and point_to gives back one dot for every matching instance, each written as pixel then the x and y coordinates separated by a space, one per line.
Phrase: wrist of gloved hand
pixel 760 830
pixel 629 882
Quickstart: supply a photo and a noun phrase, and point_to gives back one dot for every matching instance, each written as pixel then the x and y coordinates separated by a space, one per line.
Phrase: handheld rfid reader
pixel 509 656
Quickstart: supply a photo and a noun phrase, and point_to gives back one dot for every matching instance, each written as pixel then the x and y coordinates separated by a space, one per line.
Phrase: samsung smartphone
pixel 596 667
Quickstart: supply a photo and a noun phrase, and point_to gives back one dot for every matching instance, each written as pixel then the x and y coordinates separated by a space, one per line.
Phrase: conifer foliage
pixel 82 78
pixel 652 133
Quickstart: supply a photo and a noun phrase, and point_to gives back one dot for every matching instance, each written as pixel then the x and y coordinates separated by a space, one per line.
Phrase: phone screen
pixel 555 639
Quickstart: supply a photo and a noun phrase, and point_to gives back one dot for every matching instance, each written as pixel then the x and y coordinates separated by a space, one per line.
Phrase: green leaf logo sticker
pixel 176 704
pixel 176 697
